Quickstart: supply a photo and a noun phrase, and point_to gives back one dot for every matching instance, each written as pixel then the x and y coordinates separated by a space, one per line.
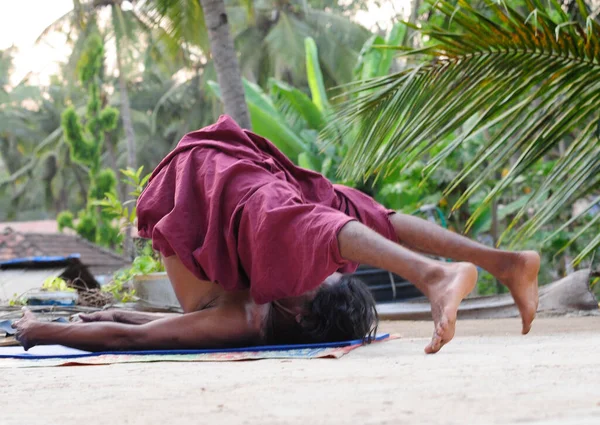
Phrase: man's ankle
pixel 504 265
pixel 432 274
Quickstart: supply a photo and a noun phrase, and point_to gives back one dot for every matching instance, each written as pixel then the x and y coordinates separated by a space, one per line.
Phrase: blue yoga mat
pixel 62 352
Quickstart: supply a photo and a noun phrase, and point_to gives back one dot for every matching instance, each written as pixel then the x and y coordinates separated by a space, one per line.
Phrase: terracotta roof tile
pixel 19 245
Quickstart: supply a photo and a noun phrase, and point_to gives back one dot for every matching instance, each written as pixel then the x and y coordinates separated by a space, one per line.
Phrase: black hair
pixel 343 311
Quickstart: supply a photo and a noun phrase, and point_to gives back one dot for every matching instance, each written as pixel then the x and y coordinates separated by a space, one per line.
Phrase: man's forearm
pixel 140 318
pixel 226 325
pixel 97 336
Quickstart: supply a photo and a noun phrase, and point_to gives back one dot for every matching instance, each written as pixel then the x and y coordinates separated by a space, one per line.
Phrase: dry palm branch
pixel 532 79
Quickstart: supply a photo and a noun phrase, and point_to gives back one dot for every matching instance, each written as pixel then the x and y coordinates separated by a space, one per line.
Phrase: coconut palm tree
pixel 269 36
pixel 37 177
pixel 127 27
pixel 270 40
pixel 204 25
pixel 528 76
pixel 226 63
pixel 164 110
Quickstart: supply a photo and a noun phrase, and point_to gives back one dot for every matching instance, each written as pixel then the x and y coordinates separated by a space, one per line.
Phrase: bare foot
pixel 521 278
pixel 445 294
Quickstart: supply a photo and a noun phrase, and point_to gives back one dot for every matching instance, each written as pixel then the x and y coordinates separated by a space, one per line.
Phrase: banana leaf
pixel 267 122
pixel 315 76
pixel 300 102
pixel 394 38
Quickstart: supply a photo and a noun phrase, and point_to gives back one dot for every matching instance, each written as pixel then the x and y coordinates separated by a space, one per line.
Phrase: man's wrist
pixel 42 332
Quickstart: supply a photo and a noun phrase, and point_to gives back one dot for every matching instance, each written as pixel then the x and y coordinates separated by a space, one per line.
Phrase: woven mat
pixel 56 355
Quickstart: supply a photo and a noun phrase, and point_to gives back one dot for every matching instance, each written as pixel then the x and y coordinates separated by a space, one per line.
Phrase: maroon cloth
pixel 239 213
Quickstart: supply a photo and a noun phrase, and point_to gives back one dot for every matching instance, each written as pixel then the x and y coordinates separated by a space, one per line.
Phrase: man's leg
pixel 445 284
pixel 518 271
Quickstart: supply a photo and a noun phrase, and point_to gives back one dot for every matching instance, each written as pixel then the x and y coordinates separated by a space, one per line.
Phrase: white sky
pixel 22 21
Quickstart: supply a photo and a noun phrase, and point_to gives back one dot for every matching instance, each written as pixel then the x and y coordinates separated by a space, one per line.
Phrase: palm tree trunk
pixel 414 15
pixel 126 114
pixel 111 155
pixel 414 10
pixel 128 249
pixel 226 63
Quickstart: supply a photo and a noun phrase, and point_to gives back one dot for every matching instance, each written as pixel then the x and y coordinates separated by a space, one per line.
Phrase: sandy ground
pixel 488 375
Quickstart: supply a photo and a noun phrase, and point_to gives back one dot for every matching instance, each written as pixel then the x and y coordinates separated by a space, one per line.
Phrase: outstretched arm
pixel 124 316
pixel 217 327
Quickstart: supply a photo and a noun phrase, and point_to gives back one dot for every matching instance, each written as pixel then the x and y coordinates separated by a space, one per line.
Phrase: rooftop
pixel 22 244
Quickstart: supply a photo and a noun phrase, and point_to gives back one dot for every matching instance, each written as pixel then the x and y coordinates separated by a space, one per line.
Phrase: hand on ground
pixel 25 329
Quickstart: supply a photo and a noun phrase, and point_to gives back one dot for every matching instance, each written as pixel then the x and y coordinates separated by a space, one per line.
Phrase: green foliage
pixel 294 104
pixel 135 180
pixel 109 233
pixel 269 35
pixel 81 151
pixel 87 225
pixel 405 191
pixel 125 213
pixel 42 174
pixel 119 291
pixel 56 284
pixel 267 121
pixel 186 19
pixel 17 300
pixel 315 76
pixel 104 183
pixel 65 221
pixel 486 284
pixel 143 264
pixel 86 142
pixel 91 62
pixel 595 287
pixel 86 146
pixel 108 118
pixel 526 79
pixel 146 264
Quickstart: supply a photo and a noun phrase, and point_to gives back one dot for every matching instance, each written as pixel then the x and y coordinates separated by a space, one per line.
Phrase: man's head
pixel 342 309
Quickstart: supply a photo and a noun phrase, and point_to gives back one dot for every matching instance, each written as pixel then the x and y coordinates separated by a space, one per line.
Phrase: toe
pixel 526 326
pixel 431 348
pixel 435 345
pixel 527 317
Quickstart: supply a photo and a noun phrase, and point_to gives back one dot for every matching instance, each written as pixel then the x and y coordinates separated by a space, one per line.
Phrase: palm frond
pixel 61 24
pixel 164 98
pixel 296 106
pixel 249 56
pixel 340 41
pixel 285 43
pixel 33 161
pixel 181 19
pixel 529 80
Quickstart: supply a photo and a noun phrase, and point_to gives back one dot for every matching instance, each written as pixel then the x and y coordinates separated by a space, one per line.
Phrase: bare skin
pixel 123 316
pixel 215 318
pixel 232 321
pixel 518 271
pixel 444 284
